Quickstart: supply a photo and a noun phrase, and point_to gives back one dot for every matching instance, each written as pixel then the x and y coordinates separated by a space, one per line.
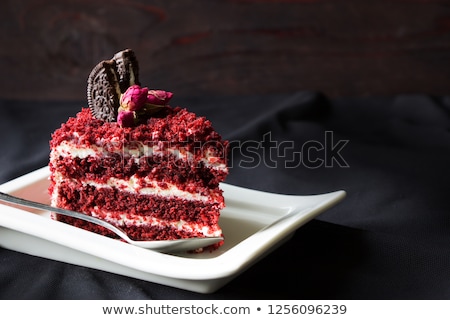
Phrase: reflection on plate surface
pixel 243 222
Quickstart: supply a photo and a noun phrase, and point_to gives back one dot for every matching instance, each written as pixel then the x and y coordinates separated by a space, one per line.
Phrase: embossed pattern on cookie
pixel 103 92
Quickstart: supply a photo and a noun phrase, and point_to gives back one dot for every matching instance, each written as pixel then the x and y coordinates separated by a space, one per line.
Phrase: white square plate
pixel 246 223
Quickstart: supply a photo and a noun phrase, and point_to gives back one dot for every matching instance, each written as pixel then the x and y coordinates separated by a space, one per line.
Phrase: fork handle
pixel 37 205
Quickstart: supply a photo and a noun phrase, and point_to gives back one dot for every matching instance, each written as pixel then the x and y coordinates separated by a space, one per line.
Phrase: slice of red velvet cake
pixel 136 162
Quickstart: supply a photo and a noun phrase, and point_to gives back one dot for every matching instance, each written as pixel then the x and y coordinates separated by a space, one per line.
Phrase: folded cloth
pixel 387 240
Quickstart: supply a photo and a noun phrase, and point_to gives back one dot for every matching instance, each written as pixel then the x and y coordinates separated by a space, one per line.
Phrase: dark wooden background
pixel 191 47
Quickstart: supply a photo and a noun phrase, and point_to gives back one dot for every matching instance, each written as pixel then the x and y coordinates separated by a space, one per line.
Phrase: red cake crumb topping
pixel 174 126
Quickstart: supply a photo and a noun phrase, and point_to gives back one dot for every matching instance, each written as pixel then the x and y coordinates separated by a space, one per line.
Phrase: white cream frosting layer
pixel 137 151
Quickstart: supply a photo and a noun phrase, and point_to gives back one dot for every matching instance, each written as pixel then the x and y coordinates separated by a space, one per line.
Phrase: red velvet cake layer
pixel 199 179
pixel 77 197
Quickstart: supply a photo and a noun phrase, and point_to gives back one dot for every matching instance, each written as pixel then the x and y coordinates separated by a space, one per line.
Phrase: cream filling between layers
pixel 133 186
pixel 140 150
pixel 142 186
pixel 127 219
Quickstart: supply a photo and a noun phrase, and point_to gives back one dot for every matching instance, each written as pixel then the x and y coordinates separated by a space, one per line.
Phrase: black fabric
pixel 389 239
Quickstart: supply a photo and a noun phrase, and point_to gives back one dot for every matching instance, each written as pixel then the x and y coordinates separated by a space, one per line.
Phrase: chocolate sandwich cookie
pixel 103 92
pixel 127 69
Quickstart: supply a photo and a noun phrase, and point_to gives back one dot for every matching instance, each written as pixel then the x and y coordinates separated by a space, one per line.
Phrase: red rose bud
pixel 125 118
pixel 159 97
pixel 134 98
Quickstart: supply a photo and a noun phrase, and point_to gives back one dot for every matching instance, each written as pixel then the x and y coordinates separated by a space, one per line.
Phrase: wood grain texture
pixel 193 47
